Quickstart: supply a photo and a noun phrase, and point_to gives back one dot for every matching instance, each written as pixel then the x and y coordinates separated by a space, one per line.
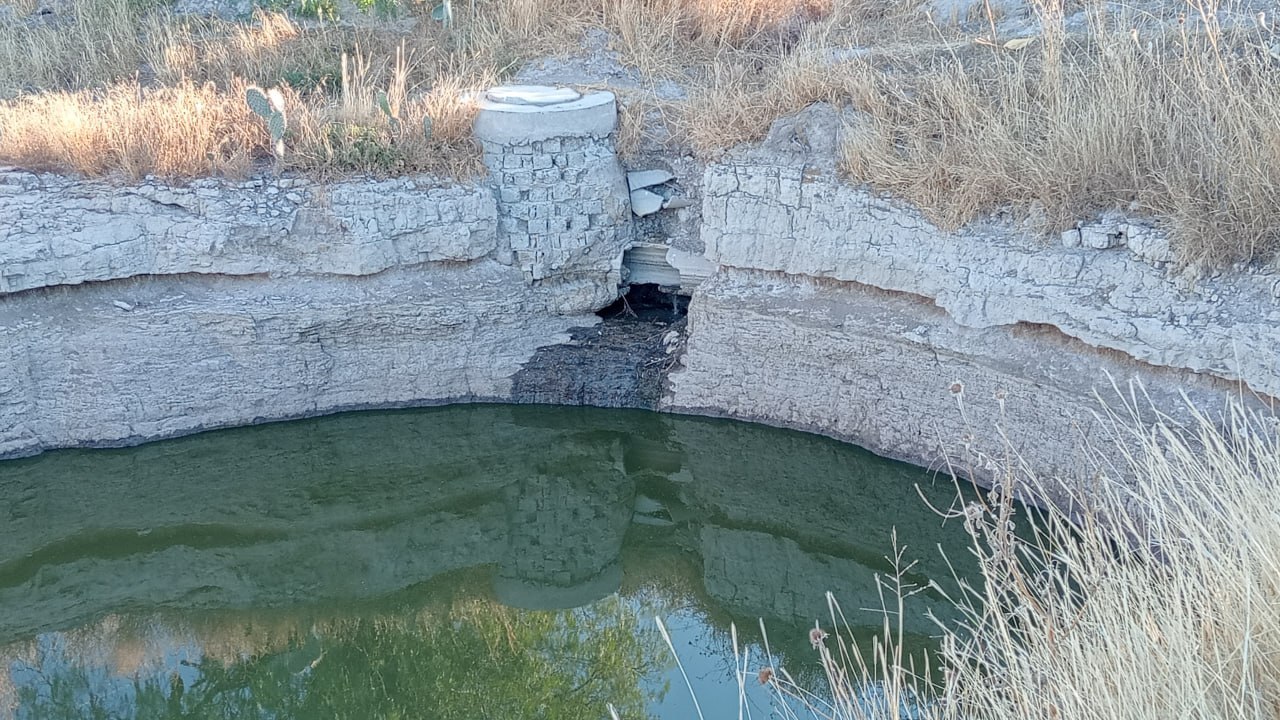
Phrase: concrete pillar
pixel 563 208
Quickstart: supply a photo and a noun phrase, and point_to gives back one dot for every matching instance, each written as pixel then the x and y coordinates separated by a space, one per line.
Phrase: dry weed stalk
pixel 1159 597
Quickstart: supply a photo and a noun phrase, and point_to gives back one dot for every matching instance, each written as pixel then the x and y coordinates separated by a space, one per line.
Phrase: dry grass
pixel 182 131
pixel 1180 619
pixel 1185 128
pixel 191 119
pixel 133 89
pixel 1180 122
pixel 96 44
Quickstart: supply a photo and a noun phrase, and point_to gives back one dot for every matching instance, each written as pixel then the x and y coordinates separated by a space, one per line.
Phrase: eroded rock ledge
pixel 837 311
pixel 197 352
pixel 830 309
pixel 774 210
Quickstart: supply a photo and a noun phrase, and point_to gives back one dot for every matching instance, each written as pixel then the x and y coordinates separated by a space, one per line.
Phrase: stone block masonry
pixel 559 206
pixel 562 200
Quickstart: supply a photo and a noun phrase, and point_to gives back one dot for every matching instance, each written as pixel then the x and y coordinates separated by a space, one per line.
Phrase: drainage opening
pixel 651 303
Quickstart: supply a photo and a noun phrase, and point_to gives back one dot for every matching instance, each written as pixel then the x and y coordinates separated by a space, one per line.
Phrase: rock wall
pixel 119 363
pixel 836 311
pixel 830 309
pixel 559 201
pixel 56 230
pixel 218 304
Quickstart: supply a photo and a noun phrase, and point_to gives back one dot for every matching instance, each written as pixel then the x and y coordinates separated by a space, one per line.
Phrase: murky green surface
pixel 464 562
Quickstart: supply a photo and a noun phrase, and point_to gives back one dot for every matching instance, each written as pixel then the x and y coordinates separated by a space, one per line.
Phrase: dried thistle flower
pixel 816 636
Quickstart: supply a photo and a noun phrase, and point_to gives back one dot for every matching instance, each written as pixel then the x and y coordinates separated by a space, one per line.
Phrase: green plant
pixel 362 148
pixel 318 9
pixel 384 104
pixel 310 79
pixel 269 105
pixel 384 8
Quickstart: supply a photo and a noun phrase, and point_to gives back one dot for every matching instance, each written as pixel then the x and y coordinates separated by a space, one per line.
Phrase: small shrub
pixel 306 80
pixel 317 9
pixel 362 148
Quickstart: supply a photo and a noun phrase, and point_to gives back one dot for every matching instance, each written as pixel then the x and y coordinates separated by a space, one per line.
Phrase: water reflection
pixel 482 561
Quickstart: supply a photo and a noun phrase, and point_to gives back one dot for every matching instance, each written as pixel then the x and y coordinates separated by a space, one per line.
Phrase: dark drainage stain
pixel 621 362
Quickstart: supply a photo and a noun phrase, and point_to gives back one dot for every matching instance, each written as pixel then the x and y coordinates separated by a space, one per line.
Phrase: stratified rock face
pixel 218 304
pixel 838 312
pixel 60 231
pixel 145 311
pixel 895 374
pixel 769 213
pixel 119 363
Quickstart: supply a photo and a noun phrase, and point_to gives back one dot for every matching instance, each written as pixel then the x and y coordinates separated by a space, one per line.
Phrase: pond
pixel 460 562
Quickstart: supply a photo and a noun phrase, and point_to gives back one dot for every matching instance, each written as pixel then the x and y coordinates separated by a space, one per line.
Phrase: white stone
pixel 693 268
pixel 647 264
pixel 1071 238
pixel 645 202
pixel 592 115
pixel 537 95
pixel 1148 244
pixel 1101 237
pixel 647 178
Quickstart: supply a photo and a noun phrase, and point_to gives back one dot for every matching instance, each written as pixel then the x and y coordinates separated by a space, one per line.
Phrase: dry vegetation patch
pixel 1157 597
pixel 1089 109
pixel 1185 128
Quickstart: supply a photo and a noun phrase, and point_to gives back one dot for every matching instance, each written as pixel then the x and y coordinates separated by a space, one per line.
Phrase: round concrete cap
pixel 540 95
pixel 519 114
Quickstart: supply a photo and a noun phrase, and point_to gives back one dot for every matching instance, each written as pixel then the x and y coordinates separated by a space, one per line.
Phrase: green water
pixel 464 562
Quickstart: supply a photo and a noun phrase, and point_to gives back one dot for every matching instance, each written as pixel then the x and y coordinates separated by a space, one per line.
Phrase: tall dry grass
pixel 1177 121
pixel 180 131
pixel 1182 126
pixel 1159 599
pixel 116 86
pixel 93 44
pixel 174 105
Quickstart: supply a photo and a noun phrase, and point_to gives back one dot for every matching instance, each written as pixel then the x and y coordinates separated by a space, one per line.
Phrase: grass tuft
pixel 1158 597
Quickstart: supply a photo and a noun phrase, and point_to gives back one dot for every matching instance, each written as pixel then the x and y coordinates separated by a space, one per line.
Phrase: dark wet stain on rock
pixel 621 362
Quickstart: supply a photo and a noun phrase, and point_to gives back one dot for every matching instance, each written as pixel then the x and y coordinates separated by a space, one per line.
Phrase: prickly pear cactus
pixel 384 104
pixel 258 102
pixel 269 105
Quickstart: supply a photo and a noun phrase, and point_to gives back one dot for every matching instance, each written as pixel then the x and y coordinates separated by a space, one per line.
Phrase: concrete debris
pixel 648 178
pixel 645 202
